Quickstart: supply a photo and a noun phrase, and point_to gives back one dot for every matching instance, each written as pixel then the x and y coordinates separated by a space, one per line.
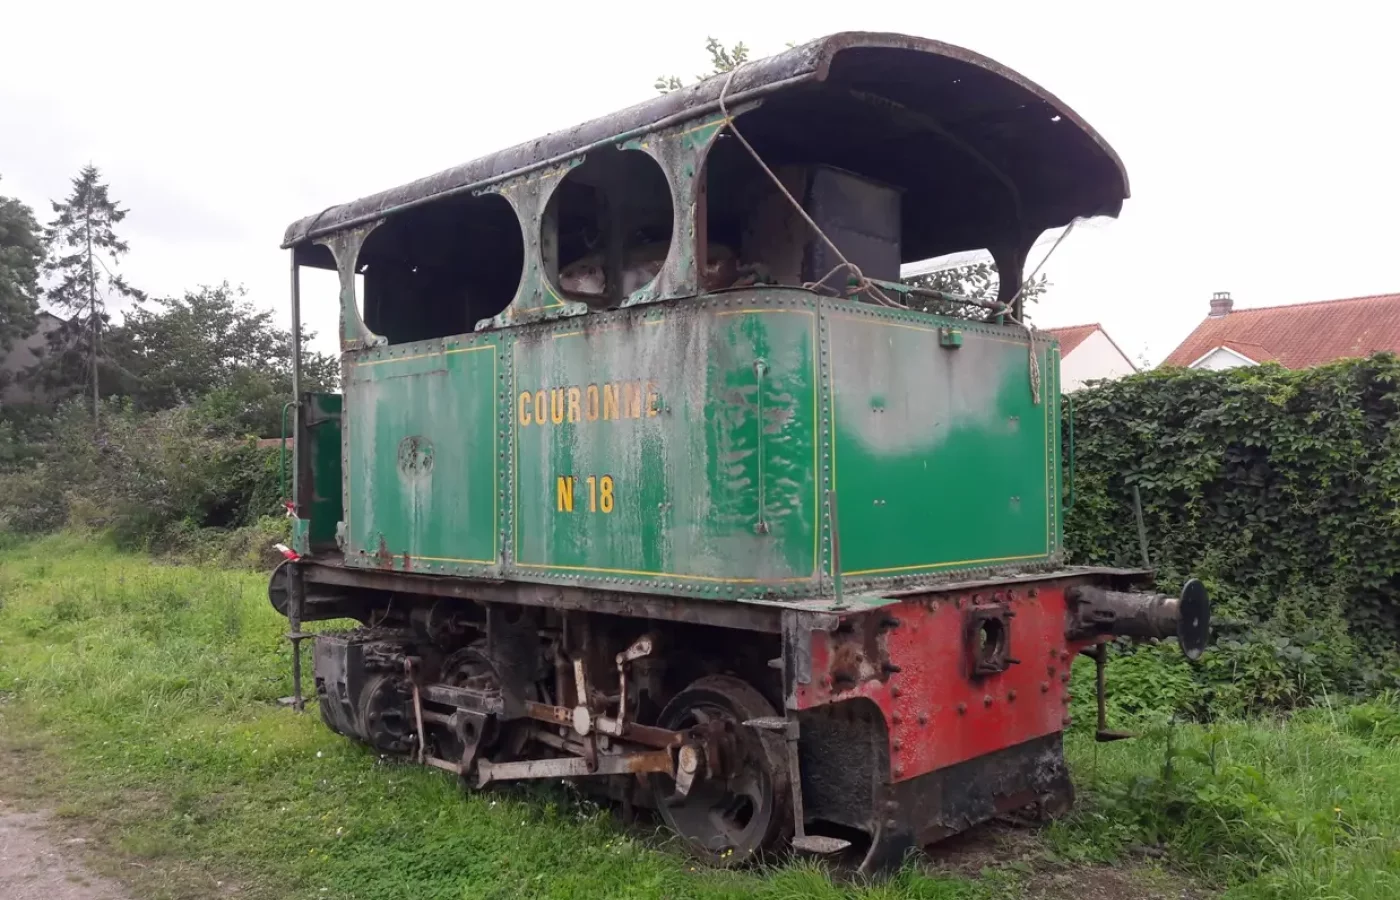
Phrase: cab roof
pixel 982 153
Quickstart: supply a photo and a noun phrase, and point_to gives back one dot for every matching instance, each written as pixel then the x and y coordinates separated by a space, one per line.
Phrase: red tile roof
pixel 1300 335
pixel 1072 336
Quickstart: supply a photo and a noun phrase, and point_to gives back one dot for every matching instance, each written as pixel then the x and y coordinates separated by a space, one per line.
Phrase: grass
pixel 1302 807
pixel 139 700
pixel 154 688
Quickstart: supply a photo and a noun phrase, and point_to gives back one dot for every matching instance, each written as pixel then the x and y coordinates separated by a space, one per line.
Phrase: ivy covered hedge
pixel 1281 491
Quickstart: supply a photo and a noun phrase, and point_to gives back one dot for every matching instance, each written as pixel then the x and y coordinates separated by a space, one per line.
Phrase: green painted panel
pixel 422 457
pixel 686 448
pixel 940 454
pixel 673 448
pixel 321 414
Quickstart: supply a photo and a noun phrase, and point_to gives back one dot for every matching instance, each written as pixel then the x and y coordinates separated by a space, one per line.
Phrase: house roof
pixel 1300 335
pixel 1072 336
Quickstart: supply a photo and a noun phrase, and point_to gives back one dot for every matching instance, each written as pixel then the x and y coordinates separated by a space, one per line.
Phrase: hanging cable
pixel 861 282
pixel 1031 332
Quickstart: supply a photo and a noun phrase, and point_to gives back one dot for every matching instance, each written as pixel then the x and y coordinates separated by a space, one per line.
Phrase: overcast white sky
pixel 1261 142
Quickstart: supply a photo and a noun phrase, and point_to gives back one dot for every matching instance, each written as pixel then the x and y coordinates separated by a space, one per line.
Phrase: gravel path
pixel 37 864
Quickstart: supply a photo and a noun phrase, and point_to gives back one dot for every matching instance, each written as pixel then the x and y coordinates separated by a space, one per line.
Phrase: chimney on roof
pixel 1220 304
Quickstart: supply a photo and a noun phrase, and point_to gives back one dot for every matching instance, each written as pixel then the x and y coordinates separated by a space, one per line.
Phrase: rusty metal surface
pixel 761 616
pixel 642 734
pixel 575 767
pixel 746 617
pixel 951 800
pixel 969 90
pixel 917 661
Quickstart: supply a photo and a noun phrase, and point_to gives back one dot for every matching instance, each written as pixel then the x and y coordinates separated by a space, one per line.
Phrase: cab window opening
pixel 437 270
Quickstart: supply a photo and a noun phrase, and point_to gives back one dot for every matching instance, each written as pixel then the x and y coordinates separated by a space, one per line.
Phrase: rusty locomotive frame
pixel 604 394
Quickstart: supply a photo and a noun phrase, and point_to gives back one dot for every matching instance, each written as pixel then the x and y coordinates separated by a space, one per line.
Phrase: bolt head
pixel 688 759
pixel 987 700
pixel 962 708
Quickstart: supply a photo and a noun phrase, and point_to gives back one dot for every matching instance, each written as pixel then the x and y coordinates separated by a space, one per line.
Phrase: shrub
pixel 151 479
pixel 1280 490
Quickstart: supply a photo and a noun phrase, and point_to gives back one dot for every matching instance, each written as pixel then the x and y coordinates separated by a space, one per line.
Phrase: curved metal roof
pixel 1055 166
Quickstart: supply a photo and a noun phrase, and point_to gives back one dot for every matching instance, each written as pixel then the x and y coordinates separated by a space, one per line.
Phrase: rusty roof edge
pixel 892 40
pixel 807 62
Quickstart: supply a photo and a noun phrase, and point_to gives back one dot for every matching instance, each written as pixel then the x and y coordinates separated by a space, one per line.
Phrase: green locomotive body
pixel 691 449
pixel 645 472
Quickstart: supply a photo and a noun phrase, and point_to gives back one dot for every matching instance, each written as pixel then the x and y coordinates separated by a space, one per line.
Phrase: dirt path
pixel 37 864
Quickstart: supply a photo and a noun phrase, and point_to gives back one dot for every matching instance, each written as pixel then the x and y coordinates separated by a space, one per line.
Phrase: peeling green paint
pixel 687 448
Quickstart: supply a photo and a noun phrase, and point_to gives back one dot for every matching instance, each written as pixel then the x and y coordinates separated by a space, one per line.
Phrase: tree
pixel 21 254
pixel 82 240
pixel 212 346
pixel 722 59
pixel 975 281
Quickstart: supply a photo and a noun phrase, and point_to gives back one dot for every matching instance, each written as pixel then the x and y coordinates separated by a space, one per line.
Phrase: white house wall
pixel 1221 358
pixel 1095 357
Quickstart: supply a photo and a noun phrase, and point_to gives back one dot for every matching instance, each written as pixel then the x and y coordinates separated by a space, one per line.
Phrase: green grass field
pixel 139 702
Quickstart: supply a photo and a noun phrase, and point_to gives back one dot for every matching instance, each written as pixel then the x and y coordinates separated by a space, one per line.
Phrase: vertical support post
pixel 1100 660
pixel 1141 527
pixel 296 375
pixel 295 586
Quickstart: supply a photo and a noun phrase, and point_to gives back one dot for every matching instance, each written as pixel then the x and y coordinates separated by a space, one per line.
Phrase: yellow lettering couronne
pixel 588 403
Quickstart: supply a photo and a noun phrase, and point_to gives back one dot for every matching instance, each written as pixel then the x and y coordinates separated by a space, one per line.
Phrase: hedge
pixel 1280 489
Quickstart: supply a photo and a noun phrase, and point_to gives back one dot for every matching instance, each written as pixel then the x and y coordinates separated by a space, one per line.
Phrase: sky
pixel 1262 146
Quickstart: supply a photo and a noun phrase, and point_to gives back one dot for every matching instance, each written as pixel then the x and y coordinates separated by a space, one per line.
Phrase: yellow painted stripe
pixel 495 457
pixel 380 362
pixel 600 571
pixel 514 456
pixel 946 565
pixel 978 336
pixel 759 312
pixel 604 329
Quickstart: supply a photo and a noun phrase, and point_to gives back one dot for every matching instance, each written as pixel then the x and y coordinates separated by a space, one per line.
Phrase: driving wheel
pixel 738 804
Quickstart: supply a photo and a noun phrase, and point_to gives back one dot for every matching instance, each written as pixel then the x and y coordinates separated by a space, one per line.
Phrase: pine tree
pixel 21 253
pixel 83 252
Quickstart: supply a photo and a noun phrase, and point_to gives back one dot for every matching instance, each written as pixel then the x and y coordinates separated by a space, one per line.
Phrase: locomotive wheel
pixel 386 714
pixel 730 816
pixel 470 667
